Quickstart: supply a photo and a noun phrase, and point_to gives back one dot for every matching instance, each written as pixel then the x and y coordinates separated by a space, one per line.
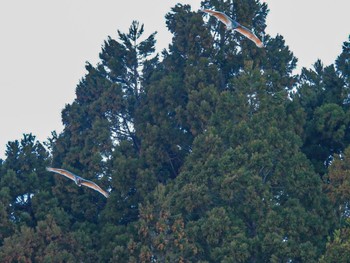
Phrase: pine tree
pixel 343 65
pixel 6 226
pixel 254 165
pixel 178 102
pixel 208 151
pixel 339 181
pixel 232 50
pixel 44 243
pixel 338 190
pixel 321 94
pixel 23 178
pixel 343 69
pixel 338 247
pixel 245 168
pixel 100 125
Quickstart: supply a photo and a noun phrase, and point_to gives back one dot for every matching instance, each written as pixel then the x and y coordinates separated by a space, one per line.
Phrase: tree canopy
pixel 212 151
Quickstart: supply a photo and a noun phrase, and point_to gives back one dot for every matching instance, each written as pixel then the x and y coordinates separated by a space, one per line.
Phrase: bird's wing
pixel 249 34
pixel 84 182
pixel 94 186
pixel 219 15
pixel 61 172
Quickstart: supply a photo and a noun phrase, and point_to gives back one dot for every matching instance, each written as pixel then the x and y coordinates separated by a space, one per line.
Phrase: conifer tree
pixel 338 189
pixel 343 69
pixel 338 247
pixel 232 50
pixel 208 151
pixel 23 178
pixel 178 102
pixel 246 168
pixel 100 124
pixel 322 92
pixel 252 166
pixel 44 243
pixel 6 226
pixel 343 64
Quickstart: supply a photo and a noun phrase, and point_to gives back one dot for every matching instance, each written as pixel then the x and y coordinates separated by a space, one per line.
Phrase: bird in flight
pixel 234 25
pixel 78 180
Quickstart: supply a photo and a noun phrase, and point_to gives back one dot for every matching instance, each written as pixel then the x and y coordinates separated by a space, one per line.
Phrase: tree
pixel 338 184
pixel 343 66
pixel 343 69
pixel 245 170
pixel 6 226
pixel 252 166
pixel 208 151
pixel 177 103
pixel 321 95
pixel 232 50
pixel 338 247
pixel 100 123
pixel 44 243
pixel 23 177
pixel 161 236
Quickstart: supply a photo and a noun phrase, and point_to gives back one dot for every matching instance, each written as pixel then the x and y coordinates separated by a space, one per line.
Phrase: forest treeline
pixel 213 151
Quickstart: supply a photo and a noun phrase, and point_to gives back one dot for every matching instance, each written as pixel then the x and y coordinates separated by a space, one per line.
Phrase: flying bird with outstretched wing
pixel 234 25
pixel 78 180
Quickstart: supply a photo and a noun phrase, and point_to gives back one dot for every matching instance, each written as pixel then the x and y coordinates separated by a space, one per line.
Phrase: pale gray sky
pixel 45 43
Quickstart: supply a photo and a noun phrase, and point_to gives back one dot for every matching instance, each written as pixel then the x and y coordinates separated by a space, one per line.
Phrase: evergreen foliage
pixel 213 152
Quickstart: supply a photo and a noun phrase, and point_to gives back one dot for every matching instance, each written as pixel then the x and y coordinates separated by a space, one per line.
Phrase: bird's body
pixel 234 25
pixel 79 180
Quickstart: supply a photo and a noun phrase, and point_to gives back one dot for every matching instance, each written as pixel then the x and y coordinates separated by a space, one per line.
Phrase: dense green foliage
pixel 213 151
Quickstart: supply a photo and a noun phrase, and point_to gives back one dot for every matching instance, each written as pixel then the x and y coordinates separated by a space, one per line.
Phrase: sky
pixel 45 44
